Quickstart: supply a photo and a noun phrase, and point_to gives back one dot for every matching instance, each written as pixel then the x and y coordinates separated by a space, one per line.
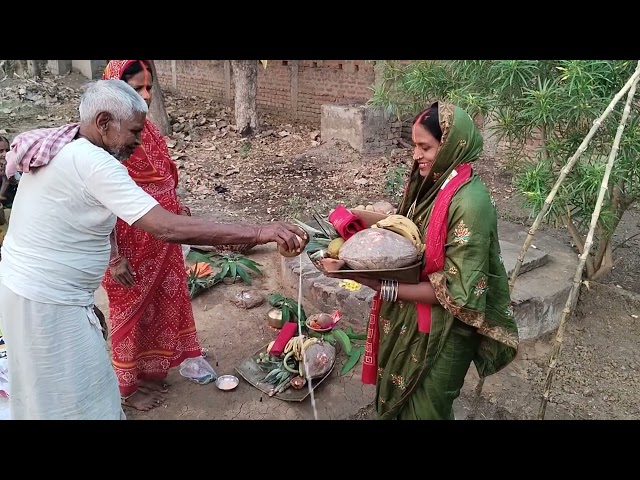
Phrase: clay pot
pixel 298 382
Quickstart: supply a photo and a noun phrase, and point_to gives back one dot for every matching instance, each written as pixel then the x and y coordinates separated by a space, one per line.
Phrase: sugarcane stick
pixel 577 279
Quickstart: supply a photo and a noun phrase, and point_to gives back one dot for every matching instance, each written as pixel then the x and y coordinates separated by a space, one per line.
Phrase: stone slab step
pixel 533 259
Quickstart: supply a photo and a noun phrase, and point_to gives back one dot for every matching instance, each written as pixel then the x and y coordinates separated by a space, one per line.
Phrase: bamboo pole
pixel 577 279
pixel 565 171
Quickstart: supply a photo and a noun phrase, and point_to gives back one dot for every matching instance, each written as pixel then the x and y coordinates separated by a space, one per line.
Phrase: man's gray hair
pixel 116 97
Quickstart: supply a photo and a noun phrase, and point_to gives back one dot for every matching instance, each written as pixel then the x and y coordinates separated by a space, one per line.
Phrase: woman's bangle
pixel 115 260
pixel 389 290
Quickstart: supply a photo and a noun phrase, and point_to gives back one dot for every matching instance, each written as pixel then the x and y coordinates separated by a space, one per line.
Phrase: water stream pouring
pixel 306 367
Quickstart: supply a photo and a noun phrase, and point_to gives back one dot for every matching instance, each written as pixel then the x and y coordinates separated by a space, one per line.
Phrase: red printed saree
pixel 152 324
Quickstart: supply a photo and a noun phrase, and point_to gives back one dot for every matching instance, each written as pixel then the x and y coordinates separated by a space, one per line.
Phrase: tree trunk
pixel 157 110
pixel 245 78
pixel 6 68
pixel 20 68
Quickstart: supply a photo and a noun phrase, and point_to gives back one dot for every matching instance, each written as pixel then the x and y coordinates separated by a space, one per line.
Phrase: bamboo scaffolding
pixel 577 279
pixel 632 82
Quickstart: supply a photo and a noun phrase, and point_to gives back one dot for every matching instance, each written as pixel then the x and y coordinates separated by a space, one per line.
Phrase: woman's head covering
pixel 115 68
pixel 461 142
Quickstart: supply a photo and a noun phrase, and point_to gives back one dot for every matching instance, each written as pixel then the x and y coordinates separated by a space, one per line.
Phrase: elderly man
pixel 57 250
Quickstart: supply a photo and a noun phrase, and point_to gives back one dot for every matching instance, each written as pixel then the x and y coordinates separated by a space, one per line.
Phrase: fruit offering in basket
pixel 302 358
pixel 391 243
pixel 323 322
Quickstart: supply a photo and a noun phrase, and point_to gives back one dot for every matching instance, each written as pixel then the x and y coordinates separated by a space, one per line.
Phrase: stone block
pixel 59 67
pixel 365 128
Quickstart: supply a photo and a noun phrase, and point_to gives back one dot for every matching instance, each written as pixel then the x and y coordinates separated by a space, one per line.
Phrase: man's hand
pixel 123 273
pixel 284 234
pixel 169 227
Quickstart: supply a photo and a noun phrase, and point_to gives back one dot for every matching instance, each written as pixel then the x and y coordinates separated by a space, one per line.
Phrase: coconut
pixel 378 249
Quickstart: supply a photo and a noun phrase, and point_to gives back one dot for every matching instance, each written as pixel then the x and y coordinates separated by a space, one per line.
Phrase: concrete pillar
pixel 59 67
pixel 378 70
pixel 88 68
pixel 227 82
pixel 294 87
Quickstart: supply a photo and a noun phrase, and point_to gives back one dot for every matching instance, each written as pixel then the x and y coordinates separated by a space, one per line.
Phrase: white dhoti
pixel 59 367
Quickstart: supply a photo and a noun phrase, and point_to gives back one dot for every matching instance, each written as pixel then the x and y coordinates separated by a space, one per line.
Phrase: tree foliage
pixel 551 102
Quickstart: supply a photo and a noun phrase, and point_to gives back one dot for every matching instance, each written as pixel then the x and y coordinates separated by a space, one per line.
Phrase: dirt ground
pixel 287 171
pixel 229 334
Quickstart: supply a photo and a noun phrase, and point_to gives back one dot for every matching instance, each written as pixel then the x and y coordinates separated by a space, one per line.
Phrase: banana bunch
pixel 294 345
pixel 403 226
pixel 307 343
pixel 297 345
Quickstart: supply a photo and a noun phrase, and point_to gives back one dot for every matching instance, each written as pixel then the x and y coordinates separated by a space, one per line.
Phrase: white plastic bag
pixel 198 370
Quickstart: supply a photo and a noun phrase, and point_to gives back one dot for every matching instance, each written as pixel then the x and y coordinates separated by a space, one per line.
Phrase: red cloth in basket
pixel 287 332
pixel 346 223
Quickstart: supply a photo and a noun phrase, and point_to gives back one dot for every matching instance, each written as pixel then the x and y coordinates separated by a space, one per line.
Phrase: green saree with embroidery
pixel 420 370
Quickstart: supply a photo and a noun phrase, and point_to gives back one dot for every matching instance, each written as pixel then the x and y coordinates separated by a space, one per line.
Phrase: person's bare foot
pixel 154 385
pixel 143 401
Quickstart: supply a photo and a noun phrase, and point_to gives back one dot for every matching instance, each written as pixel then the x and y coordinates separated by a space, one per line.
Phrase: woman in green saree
pixel 420 346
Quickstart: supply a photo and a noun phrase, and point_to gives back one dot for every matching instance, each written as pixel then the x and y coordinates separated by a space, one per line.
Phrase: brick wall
pixel 274 88
pixel 193 77
pixel 332 81
pixel 295 89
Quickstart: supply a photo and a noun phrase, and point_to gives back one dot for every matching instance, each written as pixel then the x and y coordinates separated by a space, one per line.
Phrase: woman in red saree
pixel 150 313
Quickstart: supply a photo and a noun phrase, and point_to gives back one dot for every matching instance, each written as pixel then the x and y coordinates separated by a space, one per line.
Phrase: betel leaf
pixel 328 337
pixel 275 299
pixel 345 342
